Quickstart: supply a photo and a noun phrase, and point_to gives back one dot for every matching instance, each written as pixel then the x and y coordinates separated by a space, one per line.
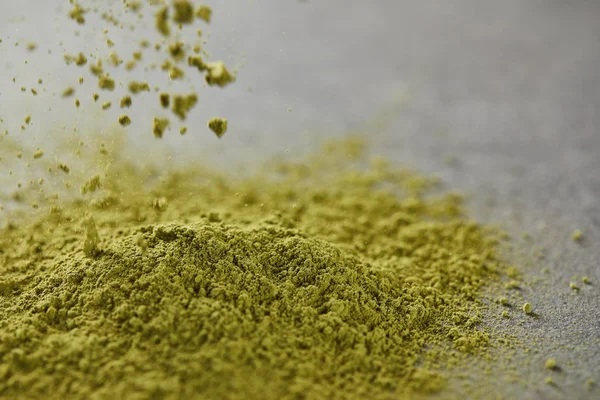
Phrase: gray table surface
pixel 509 89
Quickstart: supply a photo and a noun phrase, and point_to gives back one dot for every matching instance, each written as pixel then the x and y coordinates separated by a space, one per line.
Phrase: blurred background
pixel 501 99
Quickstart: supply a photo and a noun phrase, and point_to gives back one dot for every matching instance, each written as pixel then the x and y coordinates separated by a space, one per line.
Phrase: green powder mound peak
pixel 328 278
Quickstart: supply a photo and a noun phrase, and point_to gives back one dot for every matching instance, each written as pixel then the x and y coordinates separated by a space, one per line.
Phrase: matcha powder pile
pixel 329 278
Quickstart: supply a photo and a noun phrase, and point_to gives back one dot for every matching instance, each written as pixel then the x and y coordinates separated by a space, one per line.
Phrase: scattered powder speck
pixel 550 364
pixel 38 154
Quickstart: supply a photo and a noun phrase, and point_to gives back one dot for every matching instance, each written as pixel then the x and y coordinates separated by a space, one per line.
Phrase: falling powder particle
pixel 162 21
pixel 106 83
pixel 125 102
pixel 183 12
pixel 218 74
pixel 166 65
pixel 204 13
pixel 68 92
pixel 81 60
pixel 114 59
pixel 176 73
pixel 124 120
pixel 218 126
pixel 183 104
pixel 160 204
pixel 159 125
pixel 63 167
pixel 136 87
pixel 165 100
pixel 76 14
pixel 196 61
pixel 134 6
pixel 38 154
pixel 177 50
pixel 130 65
pixel 97 69
pixel 92 239
pixel 91 185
